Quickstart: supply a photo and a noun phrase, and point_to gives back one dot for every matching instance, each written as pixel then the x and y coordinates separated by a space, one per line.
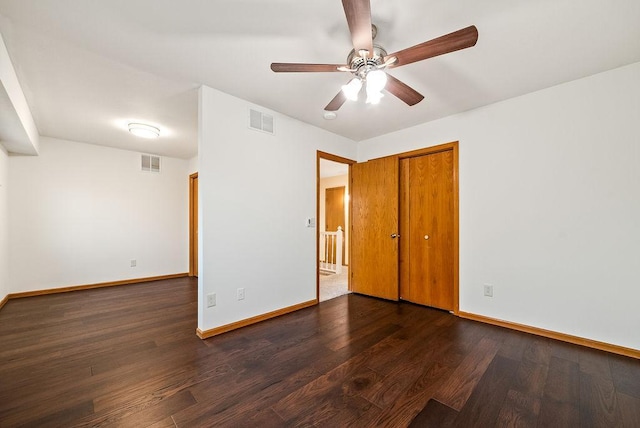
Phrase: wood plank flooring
pixel 128 356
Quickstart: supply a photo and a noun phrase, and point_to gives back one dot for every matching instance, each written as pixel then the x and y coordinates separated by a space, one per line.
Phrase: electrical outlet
pixel 240 293
pixel 211 300
pixel 488 290
pixel 134 263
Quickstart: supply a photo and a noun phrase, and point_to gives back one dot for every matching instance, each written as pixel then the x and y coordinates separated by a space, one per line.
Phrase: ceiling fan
pixel 367 61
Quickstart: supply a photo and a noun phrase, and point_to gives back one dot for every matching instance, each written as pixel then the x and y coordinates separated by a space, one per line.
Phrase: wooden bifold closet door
pixel 404 227
pixel 426 230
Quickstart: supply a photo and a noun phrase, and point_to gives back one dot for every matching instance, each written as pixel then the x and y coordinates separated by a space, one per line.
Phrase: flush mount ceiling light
pixel 143 130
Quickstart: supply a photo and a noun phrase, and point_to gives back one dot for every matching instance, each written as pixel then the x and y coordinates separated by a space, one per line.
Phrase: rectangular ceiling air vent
pixel 150 163
pixel 261 122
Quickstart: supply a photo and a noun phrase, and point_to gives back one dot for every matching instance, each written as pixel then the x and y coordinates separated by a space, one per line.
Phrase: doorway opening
pixel 332 237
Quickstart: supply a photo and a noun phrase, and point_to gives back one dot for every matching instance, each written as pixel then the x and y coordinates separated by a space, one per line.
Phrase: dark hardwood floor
pixel 129 356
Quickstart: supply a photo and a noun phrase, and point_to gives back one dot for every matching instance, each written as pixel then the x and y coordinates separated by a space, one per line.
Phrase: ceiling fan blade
pixel 358 14
pixel 336 102
pixel 451 42
pixel 287 67
pixel 402 91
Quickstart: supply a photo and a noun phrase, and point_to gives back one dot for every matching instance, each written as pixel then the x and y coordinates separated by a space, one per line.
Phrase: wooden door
pixel 334 215
pixel 193 224
pixel 427 228
pixel 374 227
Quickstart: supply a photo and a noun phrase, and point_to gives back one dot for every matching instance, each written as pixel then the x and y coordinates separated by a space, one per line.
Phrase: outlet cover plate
pixel 488 290
pixel 211 300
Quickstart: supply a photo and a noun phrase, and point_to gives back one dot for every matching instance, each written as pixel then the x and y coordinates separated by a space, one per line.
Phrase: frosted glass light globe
pixel 143 130
pixel 376 81
pixel 352 89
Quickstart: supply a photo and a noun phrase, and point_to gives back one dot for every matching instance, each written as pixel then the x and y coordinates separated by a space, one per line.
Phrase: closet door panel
pixel 431 230
pixel 374 228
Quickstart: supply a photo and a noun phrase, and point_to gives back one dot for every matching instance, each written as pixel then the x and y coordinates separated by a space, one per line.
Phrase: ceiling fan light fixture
pixel 376 80
pixel 352 89
pixel 367 57
pixel 374 97
pixel 143 130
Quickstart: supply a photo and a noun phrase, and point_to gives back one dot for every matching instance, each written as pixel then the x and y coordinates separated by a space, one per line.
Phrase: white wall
pixel 549 205
pixel 193 165
pixel 80 213
pixel 19 129
pixel 4 224
pixel 255 192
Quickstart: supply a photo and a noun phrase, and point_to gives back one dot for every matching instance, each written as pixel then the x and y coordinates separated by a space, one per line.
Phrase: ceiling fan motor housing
pixel 368 63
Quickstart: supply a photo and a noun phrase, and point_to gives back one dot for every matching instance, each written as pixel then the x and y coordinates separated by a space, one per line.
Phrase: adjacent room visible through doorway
pixel 333 226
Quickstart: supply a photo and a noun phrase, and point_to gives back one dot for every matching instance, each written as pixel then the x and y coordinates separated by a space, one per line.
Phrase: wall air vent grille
pixel 261 122
pixel 150 163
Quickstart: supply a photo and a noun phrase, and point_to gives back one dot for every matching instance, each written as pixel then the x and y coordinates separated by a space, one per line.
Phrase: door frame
pixel 333 158
pixel 453 146
pixel 193 242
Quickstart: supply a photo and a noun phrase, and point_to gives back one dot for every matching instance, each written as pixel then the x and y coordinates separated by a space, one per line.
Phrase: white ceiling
pixel 89 67
pixel 332 169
